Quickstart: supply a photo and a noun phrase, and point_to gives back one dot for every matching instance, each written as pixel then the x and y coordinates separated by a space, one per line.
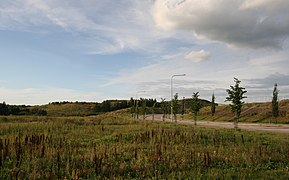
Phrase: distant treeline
pixel 66 108
pixel 67 102
pixel 112 105
pixel 6 110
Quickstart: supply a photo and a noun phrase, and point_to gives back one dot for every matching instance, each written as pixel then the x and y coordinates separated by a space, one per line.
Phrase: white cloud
pixel 33 96
pixel 257 23
pixel 101 27
pixel 197 56
pixel 206 76
pixel 155 78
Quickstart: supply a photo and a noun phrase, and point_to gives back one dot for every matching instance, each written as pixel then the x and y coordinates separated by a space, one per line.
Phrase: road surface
pixel 247 126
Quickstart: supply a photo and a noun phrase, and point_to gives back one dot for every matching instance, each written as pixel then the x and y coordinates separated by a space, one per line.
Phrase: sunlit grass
pixel 115 146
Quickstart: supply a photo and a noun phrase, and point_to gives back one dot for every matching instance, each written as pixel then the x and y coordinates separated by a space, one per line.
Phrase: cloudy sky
pixel 92 50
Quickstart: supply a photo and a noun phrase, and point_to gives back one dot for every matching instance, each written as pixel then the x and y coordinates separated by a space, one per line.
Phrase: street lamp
pixel 175 75
pixel 136 102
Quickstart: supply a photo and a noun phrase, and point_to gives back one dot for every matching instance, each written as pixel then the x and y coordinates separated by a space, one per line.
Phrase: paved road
pixel 247 126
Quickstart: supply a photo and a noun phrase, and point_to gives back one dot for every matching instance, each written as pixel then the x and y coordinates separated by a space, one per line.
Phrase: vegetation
pixel 275 106
pixel 65 109
pixel 183 107
pixel 146 106
pixel 6 109
pixel 164 107
pixel 115 146
pixel 85 108
pixel 251 113
pixel 196 106
pixel 143 108
pixel 153 108
pixel 213 105
pixel 175 107
pixel 235 95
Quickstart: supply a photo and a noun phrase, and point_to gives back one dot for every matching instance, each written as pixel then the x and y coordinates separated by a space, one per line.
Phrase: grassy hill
pixel 82 108
pixel 251 112
pixel 69 109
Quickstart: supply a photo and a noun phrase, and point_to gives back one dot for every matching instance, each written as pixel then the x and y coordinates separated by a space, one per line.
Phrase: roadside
pixel 246 126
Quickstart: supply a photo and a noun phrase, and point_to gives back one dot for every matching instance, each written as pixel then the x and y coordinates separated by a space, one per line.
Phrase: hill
pixel 82 108
pixel 251 112
pixel 69 109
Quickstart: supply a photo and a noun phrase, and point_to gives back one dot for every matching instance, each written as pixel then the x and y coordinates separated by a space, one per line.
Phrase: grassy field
pixel 115 146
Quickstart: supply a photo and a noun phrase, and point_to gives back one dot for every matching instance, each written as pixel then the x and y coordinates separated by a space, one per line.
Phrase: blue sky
pixel 74 50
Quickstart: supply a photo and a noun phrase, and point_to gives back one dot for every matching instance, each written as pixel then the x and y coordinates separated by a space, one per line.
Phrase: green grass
pixel 115 146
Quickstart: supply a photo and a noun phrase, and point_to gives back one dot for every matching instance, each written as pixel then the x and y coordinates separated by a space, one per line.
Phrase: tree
pixel 164 107
pixel 153 110
pixel 183 108
pixel 4 109
pixel 175 106
pixel 143 108
pixel 131 102
pixel 196 105
pixel 106 106
pixel 213 105
pixel 38 112
pixel 275 107
pixel 235 95
pixel 132 107
pixel 136 108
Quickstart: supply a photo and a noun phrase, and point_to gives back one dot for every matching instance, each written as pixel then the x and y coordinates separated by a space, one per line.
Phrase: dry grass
pixel 70 109
pixel 251 112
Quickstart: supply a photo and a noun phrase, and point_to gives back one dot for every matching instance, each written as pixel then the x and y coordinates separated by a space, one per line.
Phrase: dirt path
pixel 247 126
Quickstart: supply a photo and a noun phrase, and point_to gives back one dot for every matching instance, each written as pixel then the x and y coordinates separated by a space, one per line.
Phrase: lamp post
pixel 136 102
pixel 175 75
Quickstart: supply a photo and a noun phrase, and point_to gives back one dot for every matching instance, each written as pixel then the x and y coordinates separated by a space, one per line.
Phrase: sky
pixel 93 50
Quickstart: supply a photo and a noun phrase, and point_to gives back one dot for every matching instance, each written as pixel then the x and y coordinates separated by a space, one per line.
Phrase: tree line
pixel 6 109
pixel 112 105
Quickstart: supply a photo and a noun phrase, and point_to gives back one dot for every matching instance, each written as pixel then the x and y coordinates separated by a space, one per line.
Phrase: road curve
pixel 246 126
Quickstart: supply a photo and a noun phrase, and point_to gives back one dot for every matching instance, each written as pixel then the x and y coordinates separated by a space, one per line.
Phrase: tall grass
pixel 116 146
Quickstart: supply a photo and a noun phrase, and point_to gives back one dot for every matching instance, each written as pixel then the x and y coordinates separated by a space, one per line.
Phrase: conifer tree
pixel 275 106
pixel 213 105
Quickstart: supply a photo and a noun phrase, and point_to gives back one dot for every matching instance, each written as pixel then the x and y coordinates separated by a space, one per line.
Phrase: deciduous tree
pixel 235 95
pixel 175 106
pixel 196 106
pixel 164 107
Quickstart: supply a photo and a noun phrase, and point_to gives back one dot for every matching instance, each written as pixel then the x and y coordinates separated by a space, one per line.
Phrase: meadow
pixel 114 145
